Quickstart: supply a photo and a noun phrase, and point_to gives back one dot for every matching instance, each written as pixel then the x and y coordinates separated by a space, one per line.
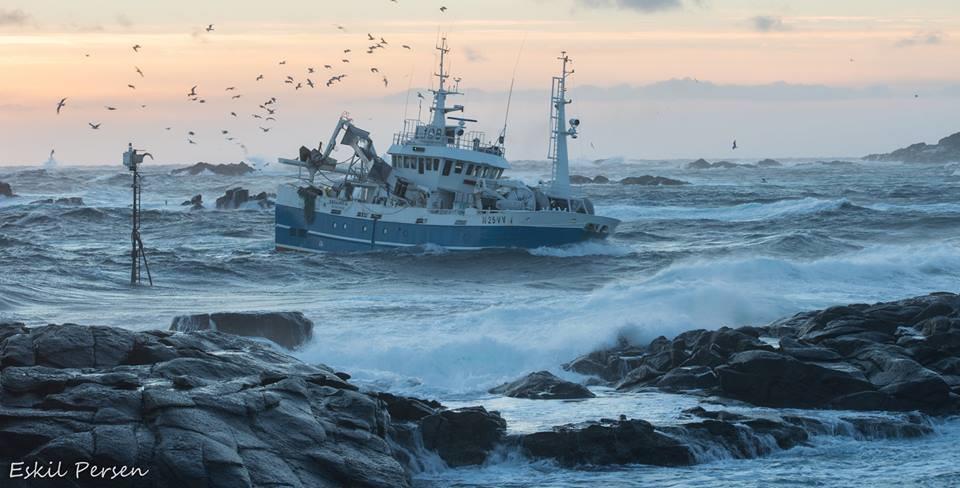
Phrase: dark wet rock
pixel 288 329
pixel 226 169
pixel 777 380
pixel 68 201
pixel 5 190
pixel 836 163
pixel 543 385
pixel 688 378
pixel 897 356
pixel 586 180
pixel 407 409
pixel 606 443
pixel 237 197
pixel 195 203
pixel 195 409
pixel 649 180
pixel 946 150
pixel 769 163
pixel 464 436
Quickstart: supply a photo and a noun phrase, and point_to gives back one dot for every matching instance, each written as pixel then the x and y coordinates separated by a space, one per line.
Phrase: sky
pixel 654 79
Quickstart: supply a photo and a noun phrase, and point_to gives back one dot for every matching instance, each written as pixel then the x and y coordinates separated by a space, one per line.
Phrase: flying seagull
pixel 191 141
pixel 136 48
pixel 131 86
pixel 734 144
pixel 265 129
pixel 283 62
pixel 139 72
pixel 259 77
pixel 405 46
pixel 229 88
pixel 385 82
pixel 93 126
pixel 233 114
pixel 109 107
pixel 374 70
pixel 63 101
pixel 193 91
pixel 236 97
pixel 443 9
pixel 370 37
pixel 210 28
pixel 310 82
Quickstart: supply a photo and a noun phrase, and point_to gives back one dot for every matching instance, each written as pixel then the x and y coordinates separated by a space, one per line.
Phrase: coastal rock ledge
pixel 894 356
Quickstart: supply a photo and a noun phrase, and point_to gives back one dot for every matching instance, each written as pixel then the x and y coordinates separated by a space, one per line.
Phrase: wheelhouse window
pixel 469 170
pixel 446 167
pixel 420 165
pixel 458 167
pixel 436 164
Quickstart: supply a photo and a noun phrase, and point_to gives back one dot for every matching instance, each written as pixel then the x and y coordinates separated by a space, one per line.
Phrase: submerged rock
pixel 651 181
pixel 70 201
pixel 288 329
pixel 586 180
pixel 226 169
pixel 543 385
pixel 704 164
pixel 769 163
pixel 5 190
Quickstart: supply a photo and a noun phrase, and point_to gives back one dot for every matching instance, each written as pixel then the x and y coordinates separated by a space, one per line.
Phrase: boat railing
pixel 416 132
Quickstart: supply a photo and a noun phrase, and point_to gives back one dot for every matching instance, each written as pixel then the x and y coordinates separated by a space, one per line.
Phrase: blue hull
pixel 338 233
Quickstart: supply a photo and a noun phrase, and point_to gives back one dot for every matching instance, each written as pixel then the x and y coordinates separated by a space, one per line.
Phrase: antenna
pixel 132 161
pixel 506 115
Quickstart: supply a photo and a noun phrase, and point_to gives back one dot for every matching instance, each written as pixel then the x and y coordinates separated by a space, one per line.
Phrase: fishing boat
pixel 438 185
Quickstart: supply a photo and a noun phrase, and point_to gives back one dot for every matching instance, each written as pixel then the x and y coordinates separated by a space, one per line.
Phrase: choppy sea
pixel 735 247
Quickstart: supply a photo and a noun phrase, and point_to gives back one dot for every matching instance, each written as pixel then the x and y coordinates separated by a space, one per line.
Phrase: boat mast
pixel 440 94
pixel 557 152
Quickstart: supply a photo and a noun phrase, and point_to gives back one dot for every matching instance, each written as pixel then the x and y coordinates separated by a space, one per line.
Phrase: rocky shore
pixel 896 356
pixel 202 407
pixel 946 150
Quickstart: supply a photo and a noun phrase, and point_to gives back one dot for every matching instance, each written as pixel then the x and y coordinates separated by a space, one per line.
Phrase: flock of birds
pixel 268 107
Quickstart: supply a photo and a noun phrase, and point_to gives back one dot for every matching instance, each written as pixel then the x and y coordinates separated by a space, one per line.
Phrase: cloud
pixel 919 39
pixel 645 6
pixel 473 55
pixel 13 17
pixel 768 23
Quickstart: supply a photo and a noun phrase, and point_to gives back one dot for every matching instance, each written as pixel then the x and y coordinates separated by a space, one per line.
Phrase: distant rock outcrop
pixel 71 201
pixel 649 180
pixel 237 197
pixel 947 150
pixel 288 329
pixel 226 169
pixel 5 190
pixel 704 164
pixel 769 163
pixel 543 385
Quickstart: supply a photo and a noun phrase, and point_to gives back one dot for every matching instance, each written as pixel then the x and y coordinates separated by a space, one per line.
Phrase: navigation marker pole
pixel 132 161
